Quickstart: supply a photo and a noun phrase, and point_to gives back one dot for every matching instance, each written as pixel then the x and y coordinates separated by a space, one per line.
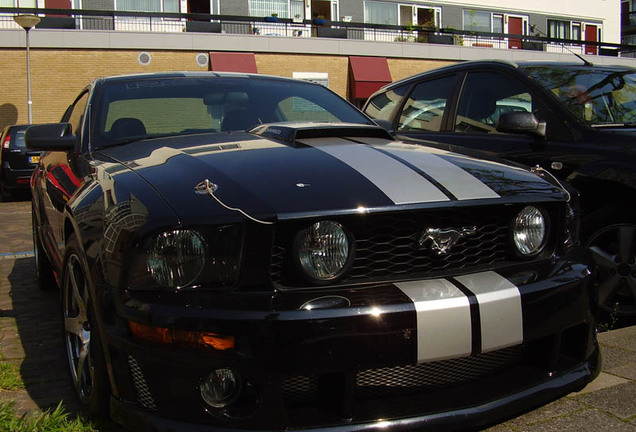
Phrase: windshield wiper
pixel 613 125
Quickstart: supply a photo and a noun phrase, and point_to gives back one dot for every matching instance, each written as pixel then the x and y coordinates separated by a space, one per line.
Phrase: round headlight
pixel 221 388
pixel 529 231
pixel 176 258
pixel 323 251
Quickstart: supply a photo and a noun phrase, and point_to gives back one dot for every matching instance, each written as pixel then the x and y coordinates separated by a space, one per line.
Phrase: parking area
pixel 31 338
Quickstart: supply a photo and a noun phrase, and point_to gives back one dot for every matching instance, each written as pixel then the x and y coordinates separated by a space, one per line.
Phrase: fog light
pixel 221 388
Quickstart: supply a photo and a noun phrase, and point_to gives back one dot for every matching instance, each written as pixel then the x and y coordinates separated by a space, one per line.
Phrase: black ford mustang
pixel 244 252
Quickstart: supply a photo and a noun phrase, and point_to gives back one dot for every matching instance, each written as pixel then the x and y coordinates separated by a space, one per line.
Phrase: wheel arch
pixel 604 201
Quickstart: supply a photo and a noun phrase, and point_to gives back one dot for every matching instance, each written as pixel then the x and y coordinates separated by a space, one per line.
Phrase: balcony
pixel 124 21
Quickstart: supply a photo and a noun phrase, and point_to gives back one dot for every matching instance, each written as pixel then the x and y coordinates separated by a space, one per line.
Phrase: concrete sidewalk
pixel 31 339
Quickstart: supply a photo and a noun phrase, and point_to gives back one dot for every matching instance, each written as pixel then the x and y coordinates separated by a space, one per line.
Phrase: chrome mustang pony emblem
pixel 442 240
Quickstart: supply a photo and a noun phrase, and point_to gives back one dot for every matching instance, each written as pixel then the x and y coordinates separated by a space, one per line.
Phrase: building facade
pixel 585 20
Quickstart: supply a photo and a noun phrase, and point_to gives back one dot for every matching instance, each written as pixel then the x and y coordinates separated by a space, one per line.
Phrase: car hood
pixel 267 175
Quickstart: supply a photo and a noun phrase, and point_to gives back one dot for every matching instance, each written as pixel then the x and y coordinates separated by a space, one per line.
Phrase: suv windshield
pixel 600 97
pixel 134 110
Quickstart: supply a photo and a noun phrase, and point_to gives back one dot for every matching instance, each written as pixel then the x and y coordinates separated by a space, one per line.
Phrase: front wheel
pixel 613 250
pixel 81 337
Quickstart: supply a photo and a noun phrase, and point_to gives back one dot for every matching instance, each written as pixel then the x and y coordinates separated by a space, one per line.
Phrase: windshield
pixel 127 111
pixel 600 97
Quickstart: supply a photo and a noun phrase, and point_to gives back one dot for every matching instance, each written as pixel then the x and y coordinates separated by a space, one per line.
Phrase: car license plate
pixel 34 159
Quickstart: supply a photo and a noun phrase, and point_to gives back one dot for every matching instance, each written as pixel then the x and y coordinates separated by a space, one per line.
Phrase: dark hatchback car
pixel 243 252
pixel 16 162
pixel 577 121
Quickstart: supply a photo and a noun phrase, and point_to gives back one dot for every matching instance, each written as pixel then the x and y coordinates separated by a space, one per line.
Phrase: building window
pixel 478 21
pixel 559 29
pixel 297 9
pixel 376 12
pixel 497 23
pixel 281 8
pixel 147 5
pixel 263 8
pixel 576 31
pixel 18 3
pixel 380 13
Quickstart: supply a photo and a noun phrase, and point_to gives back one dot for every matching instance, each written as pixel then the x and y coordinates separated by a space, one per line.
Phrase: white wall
pixel 608 11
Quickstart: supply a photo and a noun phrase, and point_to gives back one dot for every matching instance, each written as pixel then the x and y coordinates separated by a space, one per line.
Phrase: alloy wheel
pixel 614 263
pixel 77 328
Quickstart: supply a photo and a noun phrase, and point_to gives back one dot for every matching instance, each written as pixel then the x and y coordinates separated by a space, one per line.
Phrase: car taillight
pixel 6 142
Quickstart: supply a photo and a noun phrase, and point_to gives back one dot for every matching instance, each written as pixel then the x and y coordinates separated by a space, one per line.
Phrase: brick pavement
pixel 31 337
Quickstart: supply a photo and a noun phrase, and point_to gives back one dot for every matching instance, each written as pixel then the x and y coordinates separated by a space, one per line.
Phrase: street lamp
pixel 27 22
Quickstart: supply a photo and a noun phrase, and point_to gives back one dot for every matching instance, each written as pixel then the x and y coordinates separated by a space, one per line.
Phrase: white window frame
pixel 581 25
pixel 335 10
pixel 437 13
pixel 568 25
pixel 396 5
pixel 481 11
pixel 524 23
pixel 161 7
pixel 263 8
pixel 437 10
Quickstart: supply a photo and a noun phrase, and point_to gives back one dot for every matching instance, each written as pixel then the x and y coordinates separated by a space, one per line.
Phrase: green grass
pixel 53 420
pixel 10 378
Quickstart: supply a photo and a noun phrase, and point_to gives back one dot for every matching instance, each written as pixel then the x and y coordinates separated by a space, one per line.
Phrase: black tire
pixel 5 195
pixel 613 252
pixel 82 340
pixel 43 269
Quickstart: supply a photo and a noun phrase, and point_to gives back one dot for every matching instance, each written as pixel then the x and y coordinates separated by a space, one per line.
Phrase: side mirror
pixel 50 137
pixel 386 125
pixel 521 123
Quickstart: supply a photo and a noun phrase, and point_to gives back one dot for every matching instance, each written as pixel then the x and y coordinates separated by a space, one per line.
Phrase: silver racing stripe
pixel 398 182
pixel 456 180
pixel 499 309
pixel 444 321
pixel 398 177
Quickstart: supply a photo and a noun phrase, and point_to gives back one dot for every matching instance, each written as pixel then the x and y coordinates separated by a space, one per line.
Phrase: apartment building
pixel 585 20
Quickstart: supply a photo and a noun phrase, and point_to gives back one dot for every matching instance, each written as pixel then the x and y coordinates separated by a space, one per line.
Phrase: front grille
pixel 374 384
pixel 414 378
pixel 387 245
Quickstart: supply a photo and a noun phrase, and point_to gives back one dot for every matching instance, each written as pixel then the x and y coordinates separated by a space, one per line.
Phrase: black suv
pixel 578 121
pixel 16 162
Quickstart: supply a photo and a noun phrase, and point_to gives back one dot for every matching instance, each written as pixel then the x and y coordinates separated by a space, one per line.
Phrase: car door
pixel 424 110
pixel 57 180
pixel 471 120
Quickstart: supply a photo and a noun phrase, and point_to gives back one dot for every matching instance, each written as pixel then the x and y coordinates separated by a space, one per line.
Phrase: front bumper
pixel 365 365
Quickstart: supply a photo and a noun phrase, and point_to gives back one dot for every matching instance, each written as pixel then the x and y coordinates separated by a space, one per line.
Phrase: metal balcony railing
pixel 77 19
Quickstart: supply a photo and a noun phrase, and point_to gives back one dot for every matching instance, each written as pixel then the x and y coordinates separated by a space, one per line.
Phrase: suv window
pixel 381 106
pixel 424 109
pixel 18 138
pixel 485 97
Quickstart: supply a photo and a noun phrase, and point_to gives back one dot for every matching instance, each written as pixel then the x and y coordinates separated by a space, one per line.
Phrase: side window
pixel 485 97
pixel 381 106
pixel 75 113
pixel 424 108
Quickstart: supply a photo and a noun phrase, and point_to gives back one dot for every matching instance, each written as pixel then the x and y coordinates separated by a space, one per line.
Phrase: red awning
pixel 367 74
pixel 232 62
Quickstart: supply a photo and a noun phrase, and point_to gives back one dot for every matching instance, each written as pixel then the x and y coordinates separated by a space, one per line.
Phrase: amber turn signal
pixel 181 337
